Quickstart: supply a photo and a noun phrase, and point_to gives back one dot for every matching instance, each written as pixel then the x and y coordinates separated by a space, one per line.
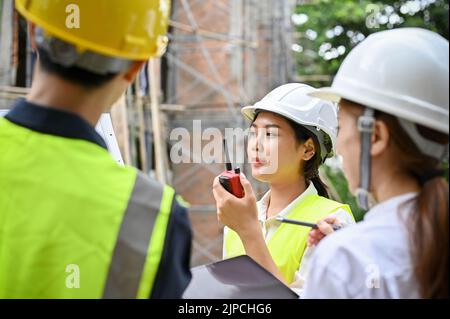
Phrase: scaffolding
pixel 223 54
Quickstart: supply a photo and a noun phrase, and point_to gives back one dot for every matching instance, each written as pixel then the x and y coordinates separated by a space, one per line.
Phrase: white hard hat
pixel 403 72
pixel 294 102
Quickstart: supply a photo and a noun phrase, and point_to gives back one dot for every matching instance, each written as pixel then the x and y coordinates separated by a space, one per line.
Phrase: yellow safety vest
pixel 288 243
pixel 66 206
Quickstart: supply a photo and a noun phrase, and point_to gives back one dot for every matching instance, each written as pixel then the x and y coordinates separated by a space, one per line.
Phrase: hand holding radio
pixel 239 214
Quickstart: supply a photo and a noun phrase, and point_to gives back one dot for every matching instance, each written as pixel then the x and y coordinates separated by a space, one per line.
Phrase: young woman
pixel 394 107
pixel 291 135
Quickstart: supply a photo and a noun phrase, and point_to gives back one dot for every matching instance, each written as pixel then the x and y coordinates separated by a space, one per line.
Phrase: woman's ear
pixel 309 149
pixel 380 138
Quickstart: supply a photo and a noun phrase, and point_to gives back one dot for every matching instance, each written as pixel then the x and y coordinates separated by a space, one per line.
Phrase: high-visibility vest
pixel 73 223
pixel 288 243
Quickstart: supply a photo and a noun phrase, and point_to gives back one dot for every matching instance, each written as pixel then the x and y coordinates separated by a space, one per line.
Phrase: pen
pixel 300 223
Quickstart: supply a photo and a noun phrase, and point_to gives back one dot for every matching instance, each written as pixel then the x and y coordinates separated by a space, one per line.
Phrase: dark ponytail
pixel 311 169
pixel 430 237
pixel 429 224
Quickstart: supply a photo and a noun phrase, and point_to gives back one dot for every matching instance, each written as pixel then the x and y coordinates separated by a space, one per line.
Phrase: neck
pixel 282 194
pixel 51 91
pixel 392 184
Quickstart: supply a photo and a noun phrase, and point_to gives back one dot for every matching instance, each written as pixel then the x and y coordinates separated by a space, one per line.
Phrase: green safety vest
pixel 288 243
pixel 70 214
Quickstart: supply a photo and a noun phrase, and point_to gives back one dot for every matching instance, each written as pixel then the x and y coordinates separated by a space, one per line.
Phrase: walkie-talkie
pixel 230 179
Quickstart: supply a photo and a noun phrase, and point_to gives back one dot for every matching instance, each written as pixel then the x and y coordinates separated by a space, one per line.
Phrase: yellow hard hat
pixel 128 29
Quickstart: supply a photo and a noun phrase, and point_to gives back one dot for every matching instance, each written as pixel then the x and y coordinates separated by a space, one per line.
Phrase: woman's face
pixel 273 150
pixel 348 145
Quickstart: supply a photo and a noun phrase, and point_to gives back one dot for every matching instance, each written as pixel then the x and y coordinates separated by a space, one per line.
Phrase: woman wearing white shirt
pixel 291 135
pixel 394 112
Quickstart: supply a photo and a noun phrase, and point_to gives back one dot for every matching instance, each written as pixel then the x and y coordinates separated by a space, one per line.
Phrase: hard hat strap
pixel 365 126
pixel 426 146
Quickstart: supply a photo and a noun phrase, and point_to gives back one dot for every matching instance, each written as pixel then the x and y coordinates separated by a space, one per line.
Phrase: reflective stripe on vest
pixel 140 242
pixel 288 243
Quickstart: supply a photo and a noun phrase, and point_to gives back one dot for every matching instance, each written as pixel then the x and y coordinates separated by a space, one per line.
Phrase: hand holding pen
pixel 319 230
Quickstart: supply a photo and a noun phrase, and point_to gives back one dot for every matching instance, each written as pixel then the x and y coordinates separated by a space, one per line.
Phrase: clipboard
pixel 236 278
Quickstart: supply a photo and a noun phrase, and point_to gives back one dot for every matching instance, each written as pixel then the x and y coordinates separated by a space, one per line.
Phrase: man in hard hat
pixel 73 223
pixel 394 112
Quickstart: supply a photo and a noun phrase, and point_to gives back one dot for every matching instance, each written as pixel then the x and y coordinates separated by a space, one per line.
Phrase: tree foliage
pixel 328 29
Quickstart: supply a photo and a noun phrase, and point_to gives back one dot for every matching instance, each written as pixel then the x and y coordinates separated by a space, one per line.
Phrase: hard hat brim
pixel 327 94
pixel 250 111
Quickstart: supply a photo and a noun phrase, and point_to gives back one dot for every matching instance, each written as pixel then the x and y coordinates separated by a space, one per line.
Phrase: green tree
pixel 328 29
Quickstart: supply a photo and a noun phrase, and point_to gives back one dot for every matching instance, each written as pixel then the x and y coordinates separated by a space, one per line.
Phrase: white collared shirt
pixel 270 225
pixel 369 260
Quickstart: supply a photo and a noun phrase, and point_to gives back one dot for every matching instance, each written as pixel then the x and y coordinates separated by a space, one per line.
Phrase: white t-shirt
pixel 269 226
pixel 371 259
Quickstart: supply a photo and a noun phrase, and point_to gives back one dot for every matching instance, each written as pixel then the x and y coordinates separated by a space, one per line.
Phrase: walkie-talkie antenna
pixel 228 165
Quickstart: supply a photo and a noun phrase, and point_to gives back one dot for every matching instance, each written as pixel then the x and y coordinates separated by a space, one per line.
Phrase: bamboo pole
pixel 141 129
pixel 161 169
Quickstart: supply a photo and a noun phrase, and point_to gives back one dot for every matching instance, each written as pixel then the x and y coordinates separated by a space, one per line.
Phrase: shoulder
pixel 361 239
pixel 344 216
pixel 142 180
pixel 330 205
pixel 147 192
pixel 358 249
